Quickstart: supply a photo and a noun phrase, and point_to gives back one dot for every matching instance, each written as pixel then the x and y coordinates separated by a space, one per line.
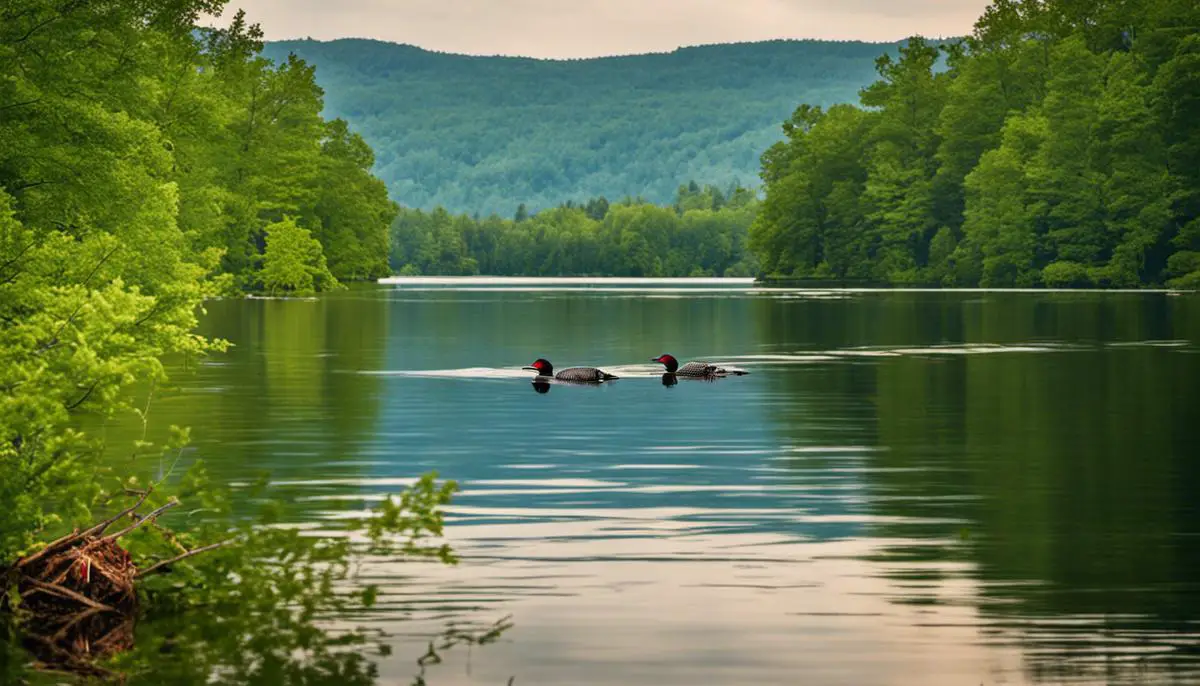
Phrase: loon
pixel 694 369
pixel 573 374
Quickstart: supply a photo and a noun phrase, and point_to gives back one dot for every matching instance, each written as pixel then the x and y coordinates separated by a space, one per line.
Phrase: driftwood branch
pixel 74 622
pixel 53 546
pixel 154 568
pixel 77 595
pixel 57 590
pixel 138 524
pixel 103 526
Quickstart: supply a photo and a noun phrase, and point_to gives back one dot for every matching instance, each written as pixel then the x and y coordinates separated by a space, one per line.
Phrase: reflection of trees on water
pixel 245 644
pixel 1065 479
pixel 285 397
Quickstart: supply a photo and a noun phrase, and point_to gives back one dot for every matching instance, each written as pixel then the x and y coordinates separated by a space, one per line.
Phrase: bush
pixel 293 261
pixel 1066 274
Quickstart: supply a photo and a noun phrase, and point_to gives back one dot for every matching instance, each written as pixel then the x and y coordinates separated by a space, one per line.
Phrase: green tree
pixel 353 209
pixel 1058 146
pixel 293 262
pixel 1128 150
pixel 999 242
pixel 898 195
pixel 1177 102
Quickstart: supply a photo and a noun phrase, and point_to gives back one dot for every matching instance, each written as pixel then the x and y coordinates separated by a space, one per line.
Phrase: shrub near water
pixel 293 261
pixel 235 596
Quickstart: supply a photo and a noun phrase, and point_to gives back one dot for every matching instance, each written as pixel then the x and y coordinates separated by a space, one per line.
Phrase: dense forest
pixel 482 134
pixel 179 146
pixel 147 164
pixel 704 233
pixel 1061 148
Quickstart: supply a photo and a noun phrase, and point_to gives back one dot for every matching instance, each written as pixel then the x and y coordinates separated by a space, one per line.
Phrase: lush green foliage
pixel 125 115
pixel 249 607
pixel 482 134
pixel 145 164
pixel 249 611
pixel 293 261
pixel 140 156
pixel 703 234
pixel 1061 148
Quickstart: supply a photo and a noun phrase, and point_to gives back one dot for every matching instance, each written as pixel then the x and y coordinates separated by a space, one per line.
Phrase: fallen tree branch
pixel 167 563
pixel 96 530
pixel 73 622
pixel 103 526
pixel 55 545
pixel 77 596
pixel 138 524
pixel 55 589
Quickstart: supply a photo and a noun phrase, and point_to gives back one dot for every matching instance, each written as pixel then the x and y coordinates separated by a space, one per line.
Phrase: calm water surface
pixel 909 487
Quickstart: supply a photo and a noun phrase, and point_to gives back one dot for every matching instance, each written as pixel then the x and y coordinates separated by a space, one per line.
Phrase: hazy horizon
pixel 664 51
pixel 584 29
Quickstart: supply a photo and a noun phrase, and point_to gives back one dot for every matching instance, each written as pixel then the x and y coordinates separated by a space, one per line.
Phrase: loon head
pixel 670 362
pixel 542 367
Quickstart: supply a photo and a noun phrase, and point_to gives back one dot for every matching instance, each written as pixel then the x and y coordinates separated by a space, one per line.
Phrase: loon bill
pixel 696 369
pixel 574 374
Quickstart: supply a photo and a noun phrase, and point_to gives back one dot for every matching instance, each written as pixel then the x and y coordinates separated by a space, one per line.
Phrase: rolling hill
pixel 484 134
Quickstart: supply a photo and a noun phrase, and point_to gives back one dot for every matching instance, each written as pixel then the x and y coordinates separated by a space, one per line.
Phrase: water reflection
pixel 936 488
pixel 1054 489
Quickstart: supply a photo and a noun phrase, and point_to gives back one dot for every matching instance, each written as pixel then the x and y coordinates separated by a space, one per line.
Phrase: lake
pixel 910 487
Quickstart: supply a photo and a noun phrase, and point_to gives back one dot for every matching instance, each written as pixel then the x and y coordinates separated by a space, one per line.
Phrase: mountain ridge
pixel 681 48
pixel 488 133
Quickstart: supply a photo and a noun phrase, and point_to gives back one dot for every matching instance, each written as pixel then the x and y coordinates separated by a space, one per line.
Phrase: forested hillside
pixel 482 134
pixel 1061 148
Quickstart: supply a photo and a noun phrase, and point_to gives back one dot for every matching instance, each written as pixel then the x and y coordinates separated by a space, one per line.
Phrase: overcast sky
pixel 588 28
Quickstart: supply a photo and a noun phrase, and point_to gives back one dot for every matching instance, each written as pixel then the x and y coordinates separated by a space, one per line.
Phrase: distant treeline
pixel 1060 148
pixel 703 234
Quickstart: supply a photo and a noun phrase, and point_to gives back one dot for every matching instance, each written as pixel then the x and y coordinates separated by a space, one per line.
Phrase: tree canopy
pixel 145 164
pixel 1060 148
pixel 293 262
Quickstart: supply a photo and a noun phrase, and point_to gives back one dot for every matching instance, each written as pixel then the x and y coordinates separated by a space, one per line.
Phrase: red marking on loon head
pixel 542 367
pixel 671 363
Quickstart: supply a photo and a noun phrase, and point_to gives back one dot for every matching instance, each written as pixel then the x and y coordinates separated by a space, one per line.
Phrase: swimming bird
pixel 695 369
pixel 573 374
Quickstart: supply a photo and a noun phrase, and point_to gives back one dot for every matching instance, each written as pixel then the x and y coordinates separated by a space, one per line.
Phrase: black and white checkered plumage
pixel 695 369
pixel 583 375
pixel 545 370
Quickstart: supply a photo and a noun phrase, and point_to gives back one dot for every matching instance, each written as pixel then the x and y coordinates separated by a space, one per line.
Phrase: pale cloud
pixel 589 28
